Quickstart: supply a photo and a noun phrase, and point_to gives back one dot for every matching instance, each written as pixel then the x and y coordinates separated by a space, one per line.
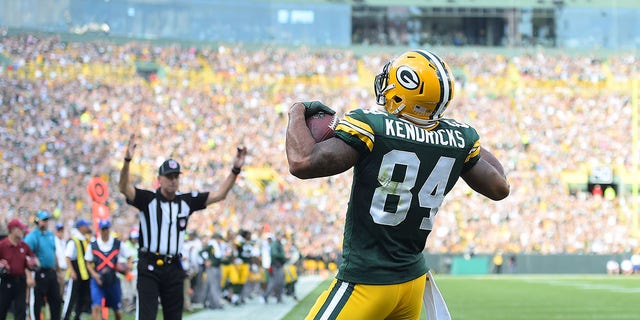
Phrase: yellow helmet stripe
pixel 474 152
pixel 358 129
pixel 446 86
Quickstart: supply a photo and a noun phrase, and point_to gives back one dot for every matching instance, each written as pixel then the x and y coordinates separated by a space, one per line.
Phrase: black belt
pixel 159 259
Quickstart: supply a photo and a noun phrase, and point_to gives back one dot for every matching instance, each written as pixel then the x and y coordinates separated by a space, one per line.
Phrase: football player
pixel 406 158
pixel 243 249
pixel 229 274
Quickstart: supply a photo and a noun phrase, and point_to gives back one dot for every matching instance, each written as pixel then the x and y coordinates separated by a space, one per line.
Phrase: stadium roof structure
pixel 500 3
pixel 460 3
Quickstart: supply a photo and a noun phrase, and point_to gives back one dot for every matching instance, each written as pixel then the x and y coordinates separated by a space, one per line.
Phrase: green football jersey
pixel 245 249
pixel 209 253
pixel 399 182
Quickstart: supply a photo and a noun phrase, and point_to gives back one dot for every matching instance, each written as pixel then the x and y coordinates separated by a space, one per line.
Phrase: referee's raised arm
pixel 228 183
pixel 125 186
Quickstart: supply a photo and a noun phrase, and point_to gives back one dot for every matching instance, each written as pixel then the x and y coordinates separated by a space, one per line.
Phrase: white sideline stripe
pixel 584 285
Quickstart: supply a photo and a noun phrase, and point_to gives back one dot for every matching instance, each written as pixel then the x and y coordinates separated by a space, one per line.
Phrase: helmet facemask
pixel 380 85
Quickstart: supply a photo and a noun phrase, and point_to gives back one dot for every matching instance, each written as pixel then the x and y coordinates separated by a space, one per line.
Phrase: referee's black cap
pixel 169 166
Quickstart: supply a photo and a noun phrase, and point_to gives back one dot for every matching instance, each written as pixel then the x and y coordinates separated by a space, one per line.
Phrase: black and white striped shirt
pixel 163 223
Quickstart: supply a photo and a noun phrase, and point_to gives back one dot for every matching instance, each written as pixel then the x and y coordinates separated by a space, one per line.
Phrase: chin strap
pixel 398 109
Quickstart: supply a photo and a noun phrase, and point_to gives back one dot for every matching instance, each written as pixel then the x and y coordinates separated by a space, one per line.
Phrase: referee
pixel 163 222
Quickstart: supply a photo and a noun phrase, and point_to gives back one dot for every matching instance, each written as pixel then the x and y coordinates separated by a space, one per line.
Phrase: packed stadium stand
pixel 69 108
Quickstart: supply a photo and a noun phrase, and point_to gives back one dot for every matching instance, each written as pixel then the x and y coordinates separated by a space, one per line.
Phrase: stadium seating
pixel 68 109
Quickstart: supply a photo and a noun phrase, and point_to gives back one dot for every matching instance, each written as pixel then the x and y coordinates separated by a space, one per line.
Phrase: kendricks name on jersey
pixel 448 137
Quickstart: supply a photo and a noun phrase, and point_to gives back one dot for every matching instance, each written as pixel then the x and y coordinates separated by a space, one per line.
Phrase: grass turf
pixel 527 297
pixel 522 297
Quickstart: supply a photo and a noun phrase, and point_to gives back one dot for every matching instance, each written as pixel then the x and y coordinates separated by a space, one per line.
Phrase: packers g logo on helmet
pixel 417 85
pixel 408 77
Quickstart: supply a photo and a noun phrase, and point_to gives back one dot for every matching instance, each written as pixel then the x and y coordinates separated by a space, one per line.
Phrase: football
pixel 321 125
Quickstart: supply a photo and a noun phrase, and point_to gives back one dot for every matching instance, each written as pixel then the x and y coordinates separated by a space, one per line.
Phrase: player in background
pixel 275 283
pixel 77 297
pixel 61 245
pixel 16 262
pixel 47 290
pixel 228 274
pixel 242 257
pixel 128 286
pixel 102 256
pixel 406 158
pixel 211 254
pixel 291 268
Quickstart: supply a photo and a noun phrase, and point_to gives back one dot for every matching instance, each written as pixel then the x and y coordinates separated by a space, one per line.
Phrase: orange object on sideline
pixel 105 310
pixel 98 189
pixel 99 211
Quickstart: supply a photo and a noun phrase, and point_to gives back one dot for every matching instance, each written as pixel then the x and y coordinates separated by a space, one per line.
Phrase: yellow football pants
pixel 290 273
pixel 241 273
pixel 229 274
pixel 348 301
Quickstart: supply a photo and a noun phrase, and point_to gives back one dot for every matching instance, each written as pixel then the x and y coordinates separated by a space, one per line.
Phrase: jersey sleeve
pixel 70 250
pixel 31 240
pixel 355 129
pixel 474 154
pixel 88 255
pixel 196 200
pixel 142 199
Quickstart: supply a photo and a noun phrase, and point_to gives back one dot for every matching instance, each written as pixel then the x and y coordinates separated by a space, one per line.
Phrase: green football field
pixel 521 297
pixel 534 297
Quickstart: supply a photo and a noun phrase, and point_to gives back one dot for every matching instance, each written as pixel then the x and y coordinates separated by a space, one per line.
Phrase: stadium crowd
pixel 68 108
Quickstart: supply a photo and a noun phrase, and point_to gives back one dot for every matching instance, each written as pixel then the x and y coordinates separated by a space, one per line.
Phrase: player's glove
pixel 313 107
